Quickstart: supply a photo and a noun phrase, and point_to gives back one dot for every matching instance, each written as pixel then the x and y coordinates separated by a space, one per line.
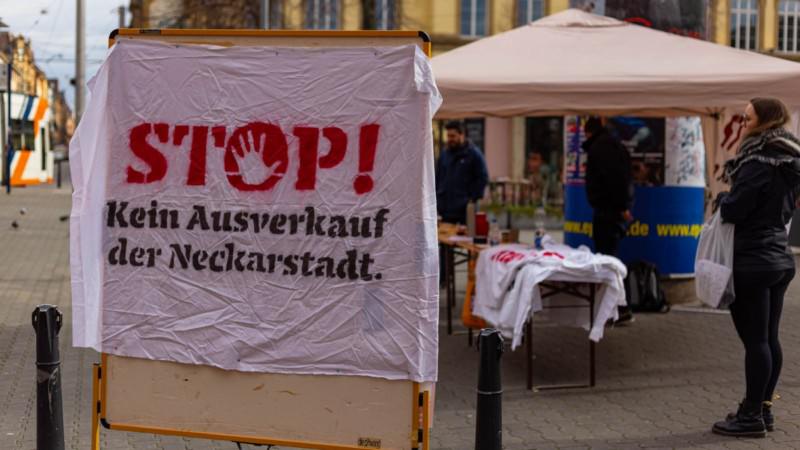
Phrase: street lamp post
pixel 9 125
pixel 80 59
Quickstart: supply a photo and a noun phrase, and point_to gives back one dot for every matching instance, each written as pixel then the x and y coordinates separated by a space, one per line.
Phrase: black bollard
pixel 489 417
pixel 49 414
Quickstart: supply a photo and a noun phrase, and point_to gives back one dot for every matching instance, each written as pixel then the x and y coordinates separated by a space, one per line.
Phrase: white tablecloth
pixel 507 286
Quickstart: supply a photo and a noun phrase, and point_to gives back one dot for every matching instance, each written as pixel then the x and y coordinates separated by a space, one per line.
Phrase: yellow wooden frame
pixel 420 413
pixel 202 33
pixel 420 401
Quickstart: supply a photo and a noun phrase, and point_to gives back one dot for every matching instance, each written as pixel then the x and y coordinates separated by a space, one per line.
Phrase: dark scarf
pixel 752 149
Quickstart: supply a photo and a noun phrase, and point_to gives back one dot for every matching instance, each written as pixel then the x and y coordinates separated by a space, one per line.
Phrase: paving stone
pixel 661 382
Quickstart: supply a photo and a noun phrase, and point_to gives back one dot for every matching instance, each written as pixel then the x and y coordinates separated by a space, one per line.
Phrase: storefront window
pixel 529 10
pixel 385 14
pixel 322 14
pixel 544 156
pixel 473 18
pixel 594 6
pixel 22 135
pixel 788 17
pixel 475 130
pixel 275 14
pixel 683 17
pixel 744 24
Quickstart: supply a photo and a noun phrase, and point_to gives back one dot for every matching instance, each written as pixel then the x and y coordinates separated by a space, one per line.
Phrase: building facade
pixel 62 121
pixel 769 26
pixel 761 25
pixel 38 114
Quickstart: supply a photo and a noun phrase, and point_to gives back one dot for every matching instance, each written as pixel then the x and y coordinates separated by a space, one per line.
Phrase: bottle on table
pixel 495 235
pixel 539 218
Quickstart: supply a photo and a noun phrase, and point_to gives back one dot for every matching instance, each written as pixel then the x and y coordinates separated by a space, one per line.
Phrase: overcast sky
pixel 50 25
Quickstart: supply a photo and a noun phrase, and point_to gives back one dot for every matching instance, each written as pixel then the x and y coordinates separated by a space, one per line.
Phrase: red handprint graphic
pixel 259 137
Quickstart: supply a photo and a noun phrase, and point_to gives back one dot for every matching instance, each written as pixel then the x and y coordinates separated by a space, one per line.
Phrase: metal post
pixel 489 416
pixel 49 415
pixel 58 173
pixel 3 133
pixel 80 61
pixel 10 128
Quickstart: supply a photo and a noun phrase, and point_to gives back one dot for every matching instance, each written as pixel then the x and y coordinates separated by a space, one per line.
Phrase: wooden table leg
pixel 450 267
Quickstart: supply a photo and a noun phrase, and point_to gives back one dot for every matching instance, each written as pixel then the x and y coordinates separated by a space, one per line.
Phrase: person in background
pixel 609 189
pixel 641 174
pixel 539 177
pixel 461 175
pixel 765 178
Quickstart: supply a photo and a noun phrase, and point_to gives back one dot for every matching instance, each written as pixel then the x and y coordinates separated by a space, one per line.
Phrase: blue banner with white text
pixel 666 226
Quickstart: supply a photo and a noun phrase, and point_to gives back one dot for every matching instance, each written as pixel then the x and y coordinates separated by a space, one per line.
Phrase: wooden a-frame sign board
pixel 305 411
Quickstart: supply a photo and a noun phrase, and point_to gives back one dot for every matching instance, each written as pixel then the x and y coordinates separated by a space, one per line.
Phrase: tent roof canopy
pixel 576 62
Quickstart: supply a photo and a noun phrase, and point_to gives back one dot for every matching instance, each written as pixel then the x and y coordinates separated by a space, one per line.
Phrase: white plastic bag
pixel 713 264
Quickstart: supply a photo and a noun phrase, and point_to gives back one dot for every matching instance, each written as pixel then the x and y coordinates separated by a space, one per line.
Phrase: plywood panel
pixel 342 410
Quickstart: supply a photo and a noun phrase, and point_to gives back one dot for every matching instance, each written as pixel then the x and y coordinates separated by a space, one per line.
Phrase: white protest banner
pixel 259 209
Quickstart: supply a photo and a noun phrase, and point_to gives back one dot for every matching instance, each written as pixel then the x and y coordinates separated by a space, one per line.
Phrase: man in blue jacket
pixel 461 175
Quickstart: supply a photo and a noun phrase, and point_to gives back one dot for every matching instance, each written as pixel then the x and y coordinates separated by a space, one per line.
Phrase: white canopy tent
pixel 576 62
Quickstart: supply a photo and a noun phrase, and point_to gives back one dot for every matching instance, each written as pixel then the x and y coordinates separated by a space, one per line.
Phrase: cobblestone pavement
pixel 661 381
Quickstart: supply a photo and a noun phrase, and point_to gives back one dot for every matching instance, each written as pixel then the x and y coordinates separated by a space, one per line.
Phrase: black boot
pixel 747 422
pixel 766 413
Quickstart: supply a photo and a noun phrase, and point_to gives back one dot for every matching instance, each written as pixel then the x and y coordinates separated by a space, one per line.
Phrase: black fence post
pixel 49 415
pixel 58 173
pixel 489 417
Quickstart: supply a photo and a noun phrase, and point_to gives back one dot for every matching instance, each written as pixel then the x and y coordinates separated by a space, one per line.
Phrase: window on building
pixel 598 6
pixel 473 18
pixel 22 135
pixel 475 131
pixel 275 18
pixel 322 14
pixel 385 14
pixel 788 18
pixel 744 24
pixel 544 159
pixel 529 10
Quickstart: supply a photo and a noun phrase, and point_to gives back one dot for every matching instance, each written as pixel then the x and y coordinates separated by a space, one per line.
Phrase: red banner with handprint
pixel 259 209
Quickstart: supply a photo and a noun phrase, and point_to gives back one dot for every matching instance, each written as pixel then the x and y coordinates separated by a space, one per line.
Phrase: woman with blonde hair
pixel 765 180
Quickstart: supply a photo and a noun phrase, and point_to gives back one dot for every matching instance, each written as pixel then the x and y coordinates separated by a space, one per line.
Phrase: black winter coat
pixel 609 184
pixel 761 203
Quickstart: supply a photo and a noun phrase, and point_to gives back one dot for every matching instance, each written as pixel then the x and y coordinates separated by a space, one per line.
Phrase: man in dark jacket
pixel 461 175
pixel 609 188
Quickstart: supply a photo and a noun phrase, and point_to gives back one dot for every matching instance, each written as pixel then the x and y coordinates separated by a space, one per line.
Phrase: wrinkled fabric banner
pixel 259 209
